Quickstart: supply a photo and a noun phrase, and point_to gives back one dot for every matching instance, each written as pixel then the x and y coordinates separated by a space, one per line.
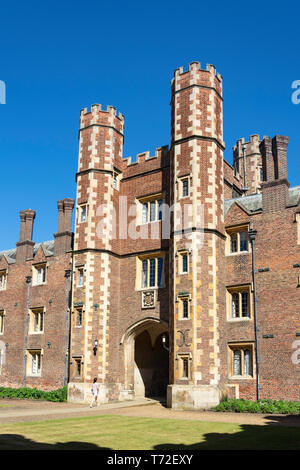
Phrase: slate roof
pixel 253 203
pixel 11 254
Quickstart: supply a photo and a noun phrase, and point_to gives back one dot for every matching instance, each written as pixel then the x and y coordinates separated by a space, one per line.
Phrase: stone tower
pixel 100 159
pixel 196 167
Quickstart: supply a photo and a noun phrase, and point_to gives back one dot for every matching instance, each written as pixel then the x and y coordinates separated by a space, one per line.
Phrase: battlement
pixel 196 67
pixel 97 115
pixel 254 140
pixel 143 157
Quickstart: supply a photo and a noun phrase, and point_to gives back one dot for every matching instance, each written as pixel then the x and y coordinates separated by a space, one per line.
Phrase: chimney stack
pixel 275 188
pixel 64 236
pixel 25 244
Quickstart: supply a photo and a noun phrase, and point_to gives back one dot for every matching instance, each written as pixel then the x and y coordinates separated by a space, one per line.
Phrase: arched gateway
pixel 146 358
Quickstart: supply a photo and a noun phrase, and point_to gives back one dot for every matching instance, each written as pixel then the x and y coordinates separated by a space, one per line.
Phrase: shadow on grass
pixel 279 433
pixel 18 442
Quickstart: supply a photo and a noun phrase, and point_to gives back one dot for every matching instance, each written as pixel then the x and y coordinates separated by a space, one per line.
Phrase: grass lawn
pixel 130 433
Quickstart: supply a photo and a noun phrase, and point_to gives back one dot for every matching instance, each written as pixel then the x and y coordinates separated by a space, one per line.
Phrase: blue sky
pixel 58 57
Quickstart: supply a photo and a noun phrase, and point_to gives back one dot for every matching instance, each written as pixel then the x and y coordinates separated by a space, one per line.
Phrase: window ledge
pixel 139 289
pixel 237 253
pixel 238 319
pixel 36 332
pixel 34 375
pixel 241 377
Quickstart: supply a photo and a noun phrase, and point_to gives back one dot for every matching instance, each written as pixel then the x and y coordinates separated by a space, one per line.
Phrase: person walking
pixel 95 387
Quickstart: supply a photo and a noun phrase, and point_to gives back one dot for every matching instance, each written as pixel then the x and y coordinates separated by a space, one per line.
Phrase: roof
pixel 11 254
pixel 253 203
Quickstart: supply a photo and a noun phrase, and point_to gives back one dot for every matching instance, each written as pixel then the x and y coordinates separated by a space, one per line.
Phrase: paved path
pixel 33 410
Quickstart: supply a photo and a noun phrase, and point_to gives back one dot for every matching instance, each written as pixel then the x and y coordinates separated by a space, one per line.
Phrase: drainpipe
pixel 252 237
pixel 67 325
pixel 27 318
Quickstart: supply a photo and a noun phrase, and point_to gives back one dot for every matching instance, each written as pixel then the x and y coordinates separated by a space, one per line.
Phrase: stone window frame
pixel 78 270
pixel 3 279
pixel 41 311
pixel 140 201
pixel 75 360
pixel 237 230
pixel 239 289
pixel 35 272
pixel 116 177
pixel 181 254
pixel 184 358
pixel 180 180
pixel 80 207
pixel 29 363
pixel 75 312
pixel 139 271
pixel 241 346
pixel 2 319
pixel 185 302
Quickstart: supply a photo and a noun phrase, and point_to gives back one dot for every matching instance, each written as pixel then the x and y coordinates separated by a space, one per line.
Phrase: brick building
pixel 183 276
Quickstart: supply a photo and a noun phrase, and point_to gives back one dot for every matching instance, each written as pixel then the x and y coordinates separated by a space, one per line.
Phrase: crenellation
pixel 145 156
pixel 196 67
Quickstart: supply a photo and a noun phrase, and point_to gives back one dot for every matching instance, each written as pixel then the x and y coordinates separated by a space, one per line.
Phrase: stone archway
pixel 146 360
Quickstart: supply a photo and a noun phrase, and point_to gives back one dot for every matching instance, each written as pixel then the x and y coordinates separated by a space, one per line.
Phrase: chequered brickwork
pixel 197 151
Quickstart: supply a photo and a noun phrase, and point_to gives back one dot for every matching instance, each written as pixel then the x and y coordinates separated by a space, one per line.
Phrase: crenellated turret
pixel 197 175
